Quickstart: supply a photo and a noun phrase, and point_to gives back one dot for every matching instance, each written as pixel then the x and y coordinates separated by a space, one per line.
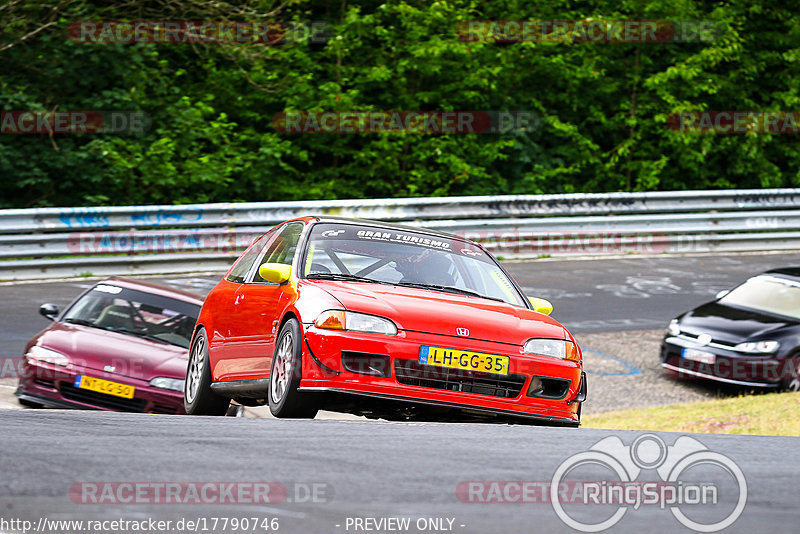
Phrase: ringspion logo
pixel 688 474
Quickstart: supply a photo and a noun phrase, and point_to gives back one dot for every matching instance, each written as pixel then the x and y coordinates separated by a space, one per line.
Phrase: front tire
pixel 198 399
pixel 285 401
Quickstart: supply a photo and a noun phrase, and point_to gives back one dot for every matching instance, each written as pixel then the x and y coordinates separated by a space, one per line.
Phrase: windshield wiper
pixel 449 289
pixel 342 276
pixel 139 334
pixel 82 322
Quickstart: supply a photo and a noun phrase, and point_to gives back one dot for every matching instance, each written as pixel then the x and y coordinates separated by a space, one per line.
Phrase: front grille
pixel 101 400
pixel 43 382
pixel 412 373
pixel 366 364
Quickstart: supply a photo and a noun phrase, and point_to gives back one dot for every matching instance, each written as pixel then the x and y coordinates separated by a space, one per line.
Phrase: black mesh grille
pixel 366 364
pixel 101 400
pixel 412 373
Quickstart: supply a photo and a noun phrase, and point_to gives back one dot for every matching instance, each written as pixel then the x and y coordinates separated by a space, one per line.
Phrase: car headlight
pixel 555 348
pixel 674 328
pixel 172 384
pixel 356 322
pixel 758 347
pixel 42 354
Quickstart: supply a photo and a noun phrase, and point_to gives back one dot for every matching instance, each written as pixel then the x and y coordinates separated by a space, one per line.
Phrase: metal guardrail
pixel 130 240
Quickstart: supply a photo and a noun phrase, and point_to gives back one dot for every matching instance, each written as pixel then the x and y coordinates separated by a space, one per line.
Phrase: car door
pixel 221 300
pixel 257 307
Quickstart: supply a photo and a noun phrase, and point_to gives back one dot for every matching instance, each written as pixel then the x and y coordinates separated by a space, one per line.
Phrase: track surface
pixel 379 469
pixel 368 469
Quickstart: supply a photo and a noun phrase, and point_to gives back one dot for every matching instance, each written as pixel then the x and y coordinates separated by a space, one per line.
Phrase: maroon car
pixel 122 346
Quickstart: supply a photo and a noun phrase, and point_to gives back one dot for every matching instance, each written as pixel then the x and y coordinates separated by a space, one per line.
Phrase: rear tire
pixel 285 401
pixel 198 399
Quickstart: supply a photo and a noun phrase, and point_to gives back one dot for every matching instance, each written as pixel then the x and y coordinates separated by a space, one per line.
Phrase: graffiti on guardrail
pixel 151 217
pixel 84 217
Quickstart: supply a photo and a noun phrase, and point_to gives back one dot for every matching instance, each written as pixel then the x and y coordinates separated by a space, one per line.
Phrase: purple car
pixel 122 346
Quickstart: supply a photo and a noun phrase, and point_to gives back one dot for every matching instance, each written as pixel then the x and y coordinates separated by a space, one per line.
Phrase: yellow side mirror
pixel 277 273
pixel 541 305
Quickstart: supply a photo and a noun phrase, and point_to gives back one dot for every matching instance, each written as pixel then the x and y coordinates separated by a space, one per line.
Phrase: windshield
pixel 416 259
pixel 767 293
pixel 135 313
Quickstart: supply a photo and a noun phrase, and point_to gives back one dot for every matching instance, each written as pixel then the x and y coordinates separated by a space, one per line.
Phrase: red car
pixel 380 320
pixel 122 345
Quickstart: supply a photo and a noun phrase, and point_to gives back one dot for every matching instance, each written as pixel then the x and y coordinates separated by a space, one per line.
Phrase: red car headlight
pixel 555 348
pixel 355 322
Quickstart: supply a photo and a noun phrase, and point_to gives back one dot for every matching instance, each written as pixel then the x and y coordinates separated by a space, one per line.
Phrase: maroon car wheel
pixel 198 399
pixel 284 377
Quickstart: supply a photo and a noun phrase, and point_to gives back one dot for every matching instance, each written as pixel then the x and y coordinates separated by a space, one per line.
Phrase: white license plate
pixel 701 356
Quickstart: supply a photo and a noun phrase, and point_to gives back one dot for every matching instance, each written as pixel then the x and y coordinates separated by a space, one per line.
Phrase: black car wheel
pixel 198 399
pixel 284 377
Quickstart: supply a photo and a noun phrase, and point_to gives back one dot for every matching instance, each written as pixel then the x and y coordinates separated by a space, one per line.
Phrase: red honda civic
pixel 122 345
pixel 380 320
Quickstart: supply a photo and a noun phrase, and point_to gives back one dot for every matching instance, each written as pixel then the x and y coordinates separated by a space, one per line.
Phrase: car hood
pixel 436 312
pixel 131 356
pixel 732 324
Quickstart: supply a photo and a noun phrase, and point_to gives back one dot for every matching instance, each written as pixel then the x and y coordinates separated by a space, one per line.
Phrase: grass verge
pixel 772 414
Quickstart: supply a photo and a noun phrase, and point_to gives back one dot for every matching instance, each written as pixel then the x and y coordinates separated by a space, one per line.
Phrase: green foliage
pixel 602 108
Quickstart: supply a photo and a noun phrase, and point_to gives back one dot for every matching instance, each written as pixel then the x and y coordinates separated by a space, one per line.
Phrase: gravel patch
pixel 623 370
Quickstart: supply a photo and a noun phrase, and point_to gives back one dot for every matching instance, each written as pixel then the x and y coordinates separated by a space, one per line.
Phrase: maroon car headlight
pixel 163 382
pixel 41 354
pixel 355 322
pixel 555 348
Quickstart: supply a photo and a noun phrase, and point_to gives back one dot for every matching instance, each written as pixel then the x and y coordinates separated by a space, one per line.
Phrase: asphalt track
pixel 364 469
pixel 381 470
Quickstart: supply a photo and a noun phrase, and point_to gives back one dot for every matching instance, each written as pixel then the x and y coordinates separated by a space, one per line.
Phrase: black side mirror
pixel 49 310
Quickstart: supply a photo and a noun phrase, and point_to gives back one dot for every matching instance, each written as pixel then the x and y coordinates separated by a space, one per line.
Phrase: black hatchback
pixel 748 336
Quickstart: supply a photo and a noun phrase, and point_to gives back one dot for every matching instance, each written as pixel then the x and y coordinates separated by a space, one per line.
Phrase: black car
pixel 748 336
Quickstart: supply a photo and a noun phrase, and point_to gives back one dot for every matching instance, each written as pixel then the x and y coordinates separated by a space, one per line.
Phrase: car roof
pixel 793 272
pixel 388 226
pixel 152 287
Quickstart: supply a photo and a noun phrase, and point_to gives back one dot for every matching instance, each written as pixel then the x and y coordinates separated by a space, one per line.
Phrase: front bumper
pixel 324 371
pixel 53 386
pixel 728 366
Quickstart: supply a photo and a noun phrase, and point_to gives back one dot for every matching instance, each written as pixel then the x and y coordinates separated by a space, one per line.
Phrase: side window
pixel 246 260
pixel 281 249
